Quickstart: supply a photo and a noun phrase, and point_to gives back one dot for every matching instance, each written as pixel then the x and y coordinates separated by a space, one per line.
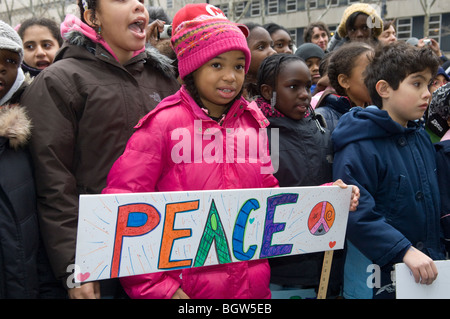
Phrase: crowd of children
pixel 92 114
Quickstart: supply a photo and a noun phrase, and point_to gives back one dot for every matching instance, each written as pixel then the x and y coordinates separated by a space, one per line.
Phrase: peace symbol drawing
pixel 321 218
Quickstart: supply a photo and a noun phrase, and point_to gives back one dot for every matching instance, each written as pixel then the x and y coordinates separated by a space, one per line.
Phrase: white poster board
pixel 130 234
pixel 407 288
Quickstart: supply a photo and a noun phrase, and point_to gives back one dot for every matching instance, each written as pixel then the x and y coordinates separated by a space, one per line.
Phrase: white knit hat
pixel 10 40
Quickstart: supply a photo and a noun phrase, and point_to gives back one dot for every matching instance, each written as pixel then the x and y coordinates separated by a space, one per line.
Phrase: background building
pixel 295 15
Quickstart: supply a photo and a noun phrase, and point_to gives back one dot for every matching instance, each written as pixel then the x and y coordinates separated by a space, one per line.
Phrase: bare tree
pixel 308 11
pixel 29 5
pixel 324 12
pixel 9 11
pixel 61 7
pixel 426 6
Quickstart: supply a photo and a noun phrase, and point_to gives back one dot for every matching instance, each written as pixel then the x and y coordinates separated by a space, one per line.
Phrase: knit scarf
pixel 268 111
pixel 266 108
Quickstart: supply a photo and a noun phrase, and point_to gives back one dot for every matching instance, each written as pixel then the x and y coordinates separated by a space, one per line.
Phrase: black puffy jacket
pixel 19 233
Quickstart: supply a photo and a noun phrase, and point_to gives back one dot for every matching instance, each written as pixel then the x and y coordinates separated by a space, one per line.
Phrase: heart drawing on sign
pixel 332 244
pixel 82 277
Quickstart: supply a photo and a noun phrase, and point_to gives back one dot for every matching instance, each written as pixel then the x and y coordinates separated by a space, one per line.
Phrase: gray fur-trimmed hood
pixel 158 60
pixel 15 125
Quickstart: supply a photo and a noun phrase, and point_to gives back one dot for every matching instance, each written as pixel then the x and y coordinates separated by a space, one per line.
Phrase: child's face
pixel 410 100
pixel 438 81
pixel 313 65
pixel 294 90
pixel 282 41
pixel 122 26
pixel 359 31
pixel 9 64
pixel 261 46
pixel 220 80
pixel 40 47
pixel 354 84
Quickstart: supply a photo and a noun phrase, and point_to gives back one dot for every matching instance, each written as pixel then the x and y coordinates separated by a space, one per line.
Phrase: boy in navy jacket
pixel 386 153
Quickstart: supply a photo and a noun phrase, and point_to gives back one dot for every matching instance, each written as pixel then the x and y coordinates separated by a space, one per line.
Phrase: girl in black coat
pixel 304 157
pixel 21 259
pixel 18 221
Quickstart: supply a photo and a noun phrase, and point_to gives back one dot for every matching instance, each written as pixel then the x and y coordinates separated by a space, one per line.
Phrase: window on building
pixel 312 4
pixel 352 1
pixel 332 3
pixel 291 6
pixel 293 34
pixel 435 27
pixel 225 8
pixel 404 28
pixel 239 8
pixel 169 4
pixel 255 8
pixel 273 7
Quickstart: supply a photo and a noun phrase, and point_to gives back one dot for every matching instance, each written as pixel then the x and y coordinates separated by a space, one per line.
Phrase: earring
pixel 273 101
pixel 99 33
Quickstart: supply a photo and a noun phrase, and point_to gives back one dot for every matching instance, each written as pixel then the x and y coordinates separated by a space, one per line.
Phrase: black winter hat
pixel 310 50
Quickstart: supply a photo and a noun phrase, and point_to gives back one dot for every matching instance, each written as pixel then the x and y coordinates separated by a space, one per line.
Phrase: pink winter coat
pixel 153 161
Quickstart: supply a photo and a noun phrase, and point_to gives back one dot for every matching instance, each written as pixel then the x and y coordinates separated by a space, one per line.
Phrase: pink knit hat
pixel 193 10
pixel 200 40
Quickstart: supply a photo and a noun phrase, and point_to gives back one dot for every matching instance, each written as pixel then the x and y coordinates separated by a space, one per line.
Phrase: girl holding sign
pixel 213 58
pixel 171 151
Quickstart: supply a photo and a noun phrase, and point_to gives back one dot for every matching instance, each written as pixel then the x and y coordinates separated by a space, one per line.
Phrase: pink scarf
pixel 72 23
pixel 267 109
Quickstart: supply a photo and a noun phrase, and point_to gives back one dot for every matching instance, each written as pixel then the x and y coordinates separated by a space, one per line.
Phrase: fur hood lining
pixel 15 125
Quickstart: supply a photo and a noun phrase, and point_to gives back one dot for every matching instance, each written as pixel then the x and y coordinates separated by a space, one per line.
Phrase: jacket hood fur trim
pixel 15 125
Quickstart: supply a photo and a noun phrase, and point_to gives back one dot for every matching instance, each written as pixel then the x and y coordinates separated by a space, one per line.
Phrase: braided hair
pixel 268 73
pixel 84 5
pixel 271 67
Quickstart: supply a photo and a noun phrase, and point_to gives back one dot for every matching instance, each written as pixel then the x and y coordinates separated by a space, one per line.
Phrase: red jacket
pixel 152 162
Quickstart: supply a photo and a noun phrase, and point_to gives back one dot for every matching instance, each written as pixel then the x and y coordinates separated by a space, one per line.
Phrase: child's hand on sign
pixel 88 290
pixel 355 194
pixel 422 267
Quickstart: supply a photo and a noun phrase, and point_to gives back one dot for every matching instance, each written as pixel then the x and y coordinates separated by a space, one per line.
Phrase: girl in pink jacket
pixel 204 137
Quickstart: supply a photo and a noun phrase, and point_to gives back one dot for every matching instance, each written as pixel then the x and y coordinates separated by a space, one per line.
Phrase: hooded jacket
pixel 332 107
pixel 19 232
pixel 84 107
pixel 395 170
pixel 150 163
